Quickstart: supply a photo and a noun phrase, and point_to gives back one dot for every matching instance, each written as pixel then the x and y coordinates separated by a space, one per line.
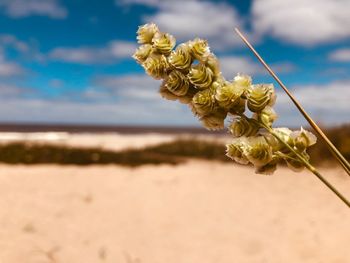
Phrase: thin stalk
pixel 308 165
pixel 341 159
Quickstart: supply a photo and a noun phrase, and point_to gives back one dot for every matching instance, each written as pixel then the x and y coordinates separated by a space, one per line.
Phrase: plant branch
pixel 308 165
pixel 341 159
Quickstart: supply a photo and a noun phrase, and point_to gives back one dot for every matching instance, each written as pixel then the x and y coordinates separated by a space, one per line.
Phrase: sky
pixel 69 61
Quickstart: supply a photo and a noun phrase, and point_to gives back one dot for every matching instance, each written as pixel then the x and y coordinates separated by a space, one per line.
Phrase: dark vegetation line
pixel 167 153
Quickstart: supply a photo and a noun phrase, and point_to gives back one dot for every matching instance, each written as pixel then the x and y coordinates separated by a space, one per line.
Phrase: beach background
pixel 96 167
pixel 198 210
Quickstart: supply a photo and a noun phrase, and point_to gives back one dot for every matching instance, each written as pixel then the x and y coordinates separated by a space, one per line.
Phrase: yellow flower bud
pixel 259 96
pixel 199 48
pixel 163 43
pixel 200 76
pixel 303 139
pixel 258 151
pixel 142 53
pixel 181 57
pixel 203 102
pixel 235 150
pixel 214 121
pixel 156 66
pixel 146 32
pixel 177 83
pixel 228 95
pixel 242 126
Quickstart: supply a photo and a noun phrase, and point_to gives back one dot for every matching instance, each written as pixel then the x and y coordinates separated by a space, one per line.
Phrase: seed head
pixel 228 95
pixel 200 76
pixel 199 48
pixel 156 66
pixel 146 32
pixel 142 53
pixel 259 96
pixel 181 57
pixel 242 126
pixel 177 83
pixel 163 43
pixel 203 102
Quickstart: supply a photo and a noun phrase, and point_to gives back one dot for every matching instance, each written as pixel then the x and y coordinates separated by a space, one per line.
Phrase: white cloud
pixel 328 103
pixel 98 112
pixel 9 90
pixel 113 51
pixel 231 65
pixel 13 42
pixel 340 55
pixel 136 101
pixel 10 69
pixel 24 8
pixel 135 87
pixel 131 99
pixel 189 19
pixel 302 22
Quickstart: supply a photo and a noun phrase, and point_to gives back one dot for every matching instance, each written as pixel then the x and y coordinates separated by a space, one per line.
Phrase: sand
pixel 198 212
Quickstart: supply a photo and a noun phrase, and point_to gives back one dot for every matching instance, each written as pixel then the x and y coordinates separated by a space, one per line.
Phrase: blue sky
pixel 69 61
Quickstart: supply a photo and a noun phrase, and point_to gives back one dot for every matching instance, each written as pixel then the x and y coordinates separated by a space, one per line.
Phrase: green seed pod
pixel 228 95
pixel 142 53
pixel 243 126
pixel 203 102
pixel 235 150
pixel 156 66
pixel 146 33
pixel 177 83
pixel 181 57
pixel 200 76
pixel 214 121
pixel 259 96
pixel 303 139
pixel 163 43
pixel 199 48
pixel 212 62
pixel 258 151
pixel 267 116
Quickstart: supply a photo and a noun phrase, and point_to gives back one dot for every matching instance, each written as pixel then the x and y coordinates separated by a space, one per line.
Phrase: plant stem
pixel 308 165
pixel 345 164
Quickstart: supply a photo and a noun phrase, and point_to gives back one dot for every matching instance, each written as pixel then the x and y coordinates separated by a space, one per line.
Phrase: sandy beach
pixel 196 212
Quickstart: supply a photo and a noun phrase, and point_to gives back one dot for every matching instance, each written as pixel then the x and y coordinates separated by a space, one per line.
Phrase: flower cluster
pixel 191 74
